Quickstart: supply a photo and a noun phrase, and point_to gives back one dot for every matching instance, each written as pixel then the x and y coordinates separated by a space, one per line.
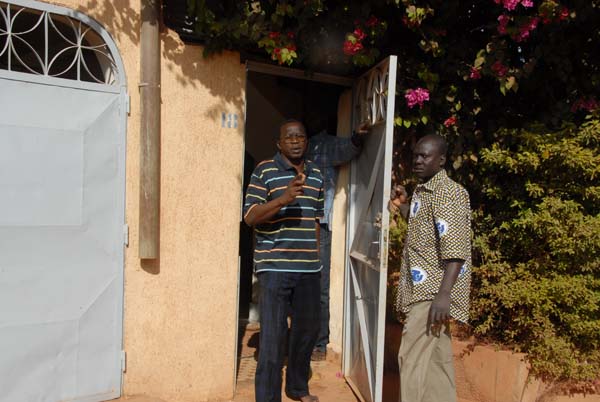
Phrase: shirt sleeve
pixel 452 217
pixel 256 193
pixel 329 150
pixel 341 150
pixel 320 207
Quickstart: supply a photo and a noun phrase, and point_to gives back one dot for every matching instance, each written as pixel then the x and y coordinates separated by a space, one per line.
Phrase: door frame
pixel 278 71
pixel 375 117
pixel 117 86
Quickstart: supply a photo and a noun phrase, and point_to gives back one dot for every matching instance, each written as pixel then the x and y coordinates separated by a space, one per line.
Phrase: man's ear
pixel 278 146
pixel 442 161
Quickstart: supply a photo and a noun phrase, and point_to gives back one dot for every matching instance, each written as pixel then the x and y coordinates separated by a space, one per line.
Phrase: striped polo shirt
pixel 288 241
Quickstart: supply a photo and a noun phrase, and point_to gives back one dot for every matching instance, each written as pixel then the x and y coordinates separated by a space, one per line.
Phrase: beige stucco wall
pixel 180 311
pixel 338 241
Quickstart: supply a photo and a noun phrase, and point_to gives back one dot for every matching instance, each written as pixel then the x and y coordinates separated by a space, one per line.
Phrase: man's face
pixel 292 141
pixel 427 159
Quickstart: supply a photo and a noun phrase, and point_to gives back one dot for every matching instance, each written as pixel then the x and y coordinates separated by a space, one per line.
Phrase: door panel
pixel 368 227
pixel 62 173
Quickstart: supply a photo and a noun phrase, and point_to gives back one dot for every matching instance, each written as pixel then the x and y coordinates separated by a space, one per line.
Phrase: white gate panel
pixel 62 170
pixel 368 227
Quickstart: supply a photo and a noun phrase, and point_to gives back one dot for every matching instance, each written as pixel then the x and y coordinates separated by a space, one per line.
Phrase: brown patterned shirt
pixel 439 228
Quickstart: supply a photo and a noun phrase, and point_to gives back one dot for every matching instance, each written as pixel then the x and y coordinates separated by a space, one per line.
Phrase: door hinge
pixel 126 235
pixel 123 361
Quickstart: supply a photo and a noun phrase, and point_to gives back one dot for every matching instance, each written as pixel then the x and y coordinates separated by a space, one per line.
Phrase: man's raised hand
pixel 293 190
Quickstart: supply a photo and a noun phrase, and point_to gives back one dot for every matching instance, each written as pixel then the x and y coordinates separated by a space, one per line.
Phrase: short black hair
pixel 288 121
pixel 439 141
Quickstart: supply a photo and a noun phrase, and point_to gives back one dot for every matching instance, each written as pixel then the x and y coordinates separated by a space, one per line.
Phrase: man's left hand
pixel 439 313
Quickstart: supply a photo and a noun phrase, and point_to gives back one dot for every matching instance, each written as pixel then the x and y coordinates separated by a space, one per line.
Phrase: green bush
pixel 537 247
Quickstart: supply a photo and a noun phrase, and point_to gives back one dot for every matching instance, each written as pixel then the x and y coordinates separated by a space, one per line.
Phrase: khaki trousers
pixel 426 368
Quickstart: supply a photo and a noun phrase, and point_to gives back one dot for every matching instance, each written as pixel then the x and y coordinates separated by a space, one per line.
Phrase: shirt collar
pixel 282 164
pixel 434 182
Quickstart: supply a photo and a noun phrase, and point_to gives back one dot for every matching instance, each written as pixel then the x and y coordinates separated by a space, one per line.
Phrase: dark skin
pixel 428 159
pixel 292 145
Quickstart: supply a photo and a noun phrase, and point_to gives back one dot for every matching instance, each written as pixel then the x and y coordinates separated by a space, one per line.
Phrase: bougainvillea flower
pixel 527 3
pixel 360 35
pixel 475 73
pixel 351 49
pixel 500 69
pixel 450 121
pixel 416 96
pixel 372 21
pixel 502 23
pixel 273 35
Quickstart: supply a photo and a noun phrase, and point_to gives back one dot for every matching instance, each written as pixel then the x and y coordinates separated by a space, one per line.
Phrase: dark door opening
pixel 270 100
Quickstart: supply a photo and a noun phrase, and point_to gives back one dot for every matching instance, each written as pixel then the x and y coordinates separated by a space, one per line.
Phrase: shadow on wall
pixel 118 17
pixel 191 68
pixel 185 62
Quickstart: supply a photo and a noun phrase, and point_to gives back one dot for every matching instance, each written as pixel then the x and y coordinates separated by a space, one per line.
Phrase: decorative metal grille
pixel 54 45
pixel 371 96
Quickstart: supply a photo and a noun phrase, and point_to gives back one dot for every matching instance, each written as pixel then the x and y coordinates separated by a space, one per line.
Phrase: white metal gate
pixel 63 111
pixel 367 239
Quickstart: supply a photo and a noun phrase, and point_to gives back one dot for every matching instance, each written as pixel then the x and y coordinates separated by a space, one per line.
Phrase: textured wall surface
pixel 338 241
pixel 180 310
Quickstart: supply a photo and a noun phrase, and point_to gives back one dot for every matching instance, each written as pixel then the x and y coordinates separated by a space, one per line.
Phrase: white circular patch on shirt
pixel 415 205
pixel 442 226
pixel 418 275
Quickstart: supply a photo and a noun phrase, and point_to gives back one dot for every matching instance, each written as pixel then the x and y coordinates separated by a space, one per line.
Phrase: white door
pixel 62 176
pixel 367 240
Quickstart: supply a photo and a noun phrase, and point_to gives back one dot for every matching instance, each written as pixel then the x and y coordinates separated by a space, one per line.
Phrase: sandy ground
pixel 326 381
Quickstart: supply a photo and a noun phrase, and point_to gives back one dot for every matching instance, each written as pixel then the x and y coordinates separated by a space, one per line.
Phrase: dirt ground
pixel 327 381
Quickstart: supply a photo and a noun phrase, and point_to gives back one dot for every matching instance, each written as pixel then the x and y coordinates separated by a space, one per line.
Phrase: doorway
pixel 273 95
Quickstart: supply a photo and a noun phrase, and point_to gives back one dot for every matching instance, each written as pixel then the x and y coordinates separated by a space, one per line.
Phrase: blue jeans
pixel 325 255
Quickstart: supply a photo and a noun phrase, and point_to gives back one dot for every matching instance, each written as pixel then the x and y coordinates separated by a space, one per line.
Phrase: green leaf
pixel 510 81
pixel 406 123
pixel 424 119
pixel 398 121
pixel 479 61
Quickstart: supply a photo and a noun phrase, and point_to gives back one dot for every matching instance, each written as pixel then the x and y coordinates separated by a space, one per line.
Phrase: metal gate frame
pixel 374 99
pixel 115 83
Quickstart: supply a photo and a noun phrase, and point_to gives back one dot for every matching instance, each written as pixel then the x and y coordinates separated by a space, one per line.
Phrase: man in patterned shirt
pixel 435 275
pixel 284 203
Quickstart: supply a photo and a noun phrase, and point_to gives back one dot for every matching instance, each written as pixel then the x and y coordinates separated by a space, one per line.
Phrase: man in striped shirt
pixel 284 202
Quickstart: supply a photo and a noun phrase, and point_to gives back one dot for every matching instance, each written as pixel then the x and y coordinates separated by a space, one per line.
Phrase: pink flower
pixel 273 35
pixel 416 96
pixel 502 23
pixel 351 49
pixel 475 73
pixel 510 4
pixel 372 21
pixel 360 35
pixel 291 35
pixel 500 69
pixel 450 121
pixel 527 3
pixel 589 104
pixel 533 23
pixel 525 29
pixel 564 14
